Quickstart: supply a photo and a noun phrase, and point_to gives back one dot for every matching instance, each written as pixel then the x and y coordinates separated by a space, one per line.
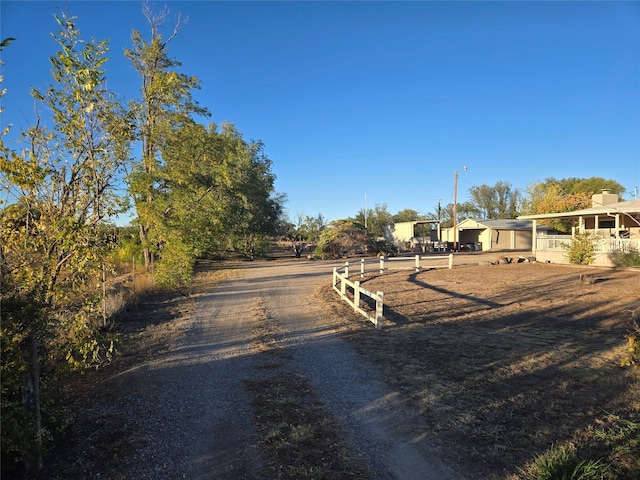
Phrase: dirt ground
pixel 494 365
pixel 506 360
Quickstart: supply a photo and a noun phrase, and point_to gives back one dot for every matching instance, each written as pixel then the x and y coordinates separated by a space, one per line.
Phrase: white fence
pixel 378 297
pixel 606 245
pixel 341 276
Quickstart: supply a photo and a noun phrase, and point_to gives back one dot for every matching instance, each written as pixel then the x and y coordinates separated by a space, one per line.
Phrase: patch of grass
pixel 610 451
pixel 563 463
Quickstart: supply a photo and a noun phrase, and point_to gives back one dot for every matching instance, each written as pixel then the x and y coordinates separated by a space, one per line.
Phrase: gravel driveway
pixel 188 411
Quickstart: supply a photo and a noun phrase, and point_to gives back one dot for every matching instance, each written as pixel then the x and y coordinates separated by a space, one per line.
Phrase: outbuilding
pixel 473 235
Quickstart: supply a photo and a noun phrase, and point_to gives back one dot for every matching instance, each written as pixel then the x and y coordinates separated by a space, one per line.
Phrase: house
pixel 473 235
pixel 615 224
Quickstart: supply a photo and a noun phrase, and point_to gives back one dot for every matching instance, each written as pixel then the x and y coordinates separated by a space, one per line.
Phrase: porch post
pixel 617 225
pixel 534 239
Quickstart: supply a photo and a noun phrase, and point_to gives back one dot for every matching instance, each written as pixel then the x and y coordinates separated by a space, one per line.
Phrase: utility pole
pixel 365 210
pixel 455 211
pixel 439 222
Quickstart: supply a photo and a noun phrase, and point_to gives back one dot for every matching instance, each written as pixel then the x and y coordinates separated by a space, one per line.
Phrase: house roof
pixel 496 224
pixel 630 207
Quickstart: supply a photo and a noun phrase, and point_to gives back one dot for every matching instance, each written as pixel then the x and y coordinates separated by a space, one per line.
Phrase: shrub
pixel 628 259
pixel 633 348
pixel 176 266
pixel 383 247
pixel 582 249
pixel 341 238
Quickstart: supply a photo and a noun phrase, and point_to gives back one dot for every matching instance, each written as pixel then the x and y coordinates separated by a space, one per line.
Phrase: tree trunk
pixel 31 404
pixel 148 255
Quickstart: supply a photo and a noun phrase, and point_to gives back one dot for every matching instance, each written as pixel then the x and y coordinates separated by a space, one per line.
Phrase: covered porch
pixel 614 225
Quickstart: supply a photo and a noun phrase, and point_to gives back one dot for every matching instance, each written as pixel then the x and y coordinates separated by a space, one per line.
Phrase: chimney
pixel 604 198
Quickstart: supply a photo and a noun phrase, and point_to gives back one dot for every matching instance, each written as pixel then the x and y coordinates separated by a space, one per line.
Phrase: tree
pixel 60 191
pixel 407 215
pixel 499 201
pixel 375 219
pixel 565 195
pixel 254 207
pixel 297 235
pixel 215 191
pixel 463 210
pixel 301 231
pixel 313 227
pixel 588 186
pixel 166 104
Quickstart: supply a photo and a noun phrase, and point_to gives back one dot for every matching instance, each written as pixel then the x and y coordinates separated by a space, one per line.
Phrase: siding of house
pixel 500 239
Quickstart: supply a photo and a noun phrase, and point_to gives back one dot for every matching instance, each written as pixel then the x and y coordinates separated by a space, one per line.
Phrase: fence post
pixel 418 263
pixel 381 263
pixel 362 268
pixel 346 269
pixel 356 296
pixel 379 309
pixel 343 286
pixel 450 261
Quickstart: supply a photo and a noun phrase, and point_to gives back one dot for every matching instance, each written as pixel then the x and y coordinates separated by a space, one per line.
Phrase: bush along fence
pixel 352 292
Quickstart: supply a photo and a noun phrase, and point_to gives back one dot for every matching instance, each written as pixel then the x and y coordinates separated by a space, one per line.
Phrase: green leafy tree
pixel 215 192
pixel 60 191
pixel 463 210
pixel 195 189
pixel 166 104
pixel 253 205
pixel 589 185
pixel 407 215
pixel 498 201
pixel 313 227
pixel 375 219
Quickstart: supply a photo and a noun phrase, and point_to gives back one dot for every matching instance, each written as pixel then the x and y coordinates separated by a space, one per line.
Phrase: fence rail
pixel 351 289
pixel 358 291
pixel 560 242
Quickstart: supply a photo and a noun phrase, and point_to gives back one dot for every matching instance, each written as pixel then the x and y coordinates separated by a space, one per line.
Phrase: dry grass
pixel 505 361
pixel 299 438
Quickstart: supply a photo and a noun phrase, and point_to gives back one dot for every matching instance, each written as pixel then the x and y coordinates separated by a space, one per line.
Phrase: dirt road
pixel 374 421
pixel 180 406
pixel 185 411
pixel 226 381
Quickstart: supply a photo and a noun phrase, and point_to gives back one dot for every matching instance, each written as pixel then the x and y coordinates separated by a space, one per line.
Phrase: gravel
pixel 185 411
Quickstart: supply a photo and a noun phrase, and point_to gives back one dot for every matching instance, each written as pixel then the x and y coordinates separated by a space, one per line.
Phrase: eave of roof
pixel 629 207
pixel 497 224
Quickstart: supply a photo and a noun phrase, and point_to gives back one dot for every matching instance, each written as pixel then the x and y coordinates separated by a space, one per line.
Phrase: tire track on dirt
pixel 375 421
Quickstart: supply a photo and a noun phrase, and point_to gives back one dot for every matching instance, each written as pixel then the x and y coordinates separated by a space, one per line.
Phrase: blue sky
pixel 384 99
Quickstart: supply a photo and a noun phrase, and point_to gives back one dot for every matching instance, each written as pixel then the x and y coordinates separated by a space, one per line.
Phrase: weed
pixel 563 463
